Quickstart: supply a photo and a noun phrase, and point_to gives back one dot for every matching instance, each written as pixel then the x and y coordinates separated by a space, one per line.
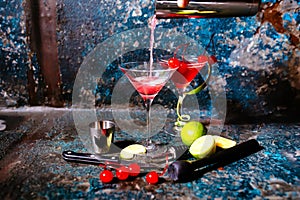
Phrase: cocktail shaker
pixel 206 9
pixel 102 133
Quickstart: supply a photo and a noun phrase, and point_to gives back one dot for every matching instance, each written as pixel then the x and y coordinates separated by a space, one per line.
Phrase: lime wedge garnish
pixel 128 152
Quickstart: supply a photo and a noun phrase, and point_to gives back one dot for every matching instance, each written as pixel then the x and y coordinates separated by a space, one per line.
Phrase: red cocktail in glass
pixel 148 81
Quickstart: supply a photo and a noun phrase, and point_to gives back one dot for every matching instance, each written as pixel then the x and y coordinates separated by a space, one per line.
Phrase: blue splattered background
pixel 258 56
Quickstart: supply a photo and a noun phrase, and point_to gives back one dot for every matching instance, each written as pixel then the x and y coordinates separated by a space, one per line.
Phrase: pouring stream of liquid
pixel 152 26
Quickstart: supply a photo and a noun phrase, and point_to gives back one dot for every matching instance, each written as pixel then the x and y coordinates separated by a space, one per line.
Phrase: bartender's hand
pixel 182 3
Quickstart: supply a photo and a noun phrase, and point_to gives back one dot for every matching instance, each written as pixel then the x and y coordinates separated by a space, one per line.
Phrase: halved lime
pixel 128 152
pixel 224 143
pixel 203 146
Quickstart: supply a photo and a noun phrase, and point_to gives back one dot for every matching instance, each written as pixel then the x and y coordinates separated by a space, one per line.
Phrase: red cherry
pixel 182 67
pixel 106 176
pixel 152 177
pixel 122 173
pixel 213 59
pixel 134 169
pixel 173 62
pixel 202 59
pixel 184 64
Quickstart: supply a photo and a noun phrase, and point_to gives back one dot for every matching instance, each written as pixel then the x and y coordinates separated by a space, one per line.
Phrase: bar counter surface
pixel 32 167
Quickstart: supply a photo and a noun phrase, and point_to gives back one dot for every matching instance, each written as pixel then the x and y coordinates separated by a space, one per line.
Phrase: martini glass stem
pixel 148 103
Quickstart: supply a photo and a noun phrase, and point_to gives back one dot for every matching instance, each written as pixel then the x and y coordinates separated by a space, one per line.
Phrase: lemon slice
pixel 224 143
pixel 128 152
pixel 203 147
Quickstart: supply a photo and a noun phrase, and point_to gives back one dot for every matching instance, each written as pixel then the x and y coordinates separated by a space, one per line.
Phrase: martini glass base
pixel 156 150
pixel 150 147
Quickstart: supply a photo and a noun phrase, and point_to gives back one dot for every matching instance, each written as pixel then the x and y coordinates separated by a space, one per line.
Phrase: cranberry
pixel 173 62
pixel 152 177
pixel 122 173
pixel 134 169
pixel 106 176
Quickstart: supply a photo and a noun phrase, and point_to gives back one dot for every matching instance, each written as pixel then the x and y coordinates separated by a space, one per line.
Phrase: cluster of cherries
pixel 124 172
pixel 186 70
pixel 183 64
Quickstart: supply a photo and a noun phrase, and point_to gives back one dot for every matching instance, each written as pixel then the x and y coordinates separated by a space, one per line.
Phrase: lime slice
pixel 224 143
pixel 128 152
pixel 203 147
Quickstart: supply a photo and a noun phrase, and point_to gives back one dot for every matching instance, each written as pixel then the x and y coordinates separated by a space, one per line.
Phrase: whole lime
pixel 191 131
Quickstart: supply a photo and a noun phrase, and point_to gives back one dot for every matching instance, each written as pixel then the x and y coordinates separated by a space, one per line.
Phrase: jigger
pixel 102 133
pixel 206 9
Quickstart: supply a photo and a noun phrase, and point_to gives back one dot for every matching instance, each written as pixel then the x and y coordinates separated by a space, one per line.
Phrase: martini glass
pixel 188 66
pixel 148 81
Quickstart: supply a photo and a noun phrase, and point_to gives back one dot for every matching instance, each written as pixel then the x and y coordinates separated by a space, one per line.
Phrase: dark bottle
pixel 206 9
